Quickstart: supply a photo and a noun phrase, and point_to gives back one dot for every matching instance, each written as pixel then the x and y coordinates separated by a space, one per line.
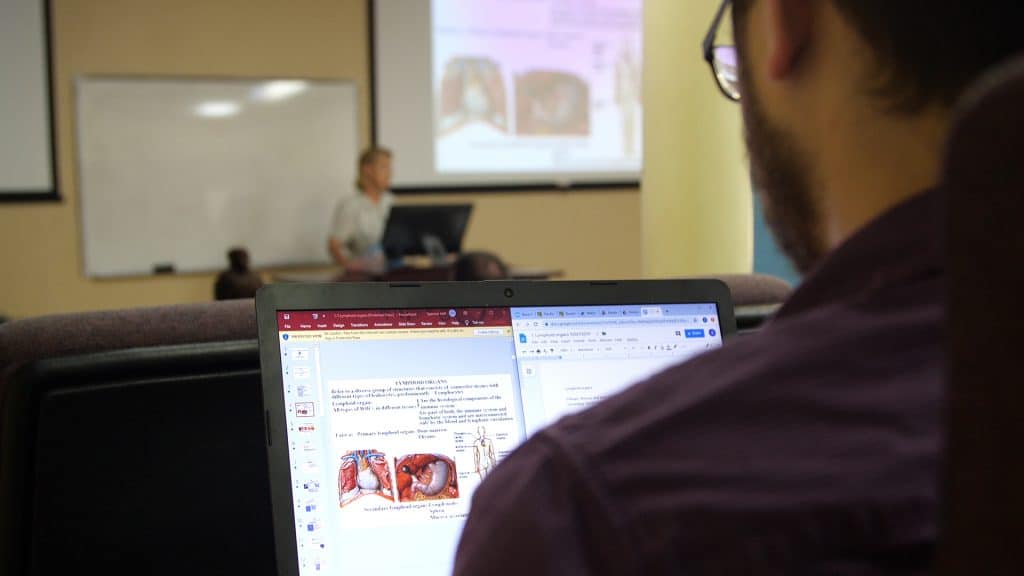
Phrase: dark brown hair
pixel 928 51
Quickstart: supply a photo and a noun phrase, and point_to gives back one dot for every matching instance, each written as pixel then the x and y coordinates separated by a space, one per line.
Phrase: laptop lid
pixel 387 405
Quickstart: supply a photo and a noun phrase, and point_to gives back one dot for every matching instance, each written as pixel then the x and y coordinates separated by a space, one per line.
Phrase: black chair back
pixel 141 461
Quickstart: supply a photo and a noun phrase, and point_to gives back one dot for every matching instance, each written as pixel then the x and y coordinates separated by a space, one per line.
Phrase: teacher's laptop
pixel 387 405
pixel 425 229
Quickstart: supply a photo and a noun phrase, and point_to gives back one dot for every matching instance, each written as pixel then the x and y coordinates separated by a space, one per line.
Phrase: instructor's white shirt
pixel 359 223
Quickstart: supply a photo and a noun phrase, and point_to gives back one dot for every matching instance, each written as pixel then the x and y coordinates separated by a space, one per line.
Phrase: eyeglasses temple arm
pixel 709 38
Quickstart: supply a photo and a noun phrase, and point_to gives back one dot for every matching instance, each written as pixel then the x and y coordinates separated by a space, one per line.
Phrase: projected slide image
pixel 363 473
pixel 544 86
pixel 627 98
pixel 552 103
pixel 426 477
pixel 472 90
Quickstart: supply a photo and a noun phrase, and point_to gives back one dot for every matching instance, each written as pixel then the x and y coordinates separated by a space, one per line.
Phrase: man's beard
pixel 782 177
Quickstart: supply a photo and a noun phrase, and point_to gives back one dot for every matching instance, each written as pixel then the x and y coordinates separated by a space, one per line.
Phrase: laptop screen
pixel 394 417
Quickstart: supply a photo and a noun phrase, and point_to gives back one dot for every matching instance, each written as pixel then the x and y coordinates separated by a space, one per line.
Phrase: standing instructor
pixel 358 224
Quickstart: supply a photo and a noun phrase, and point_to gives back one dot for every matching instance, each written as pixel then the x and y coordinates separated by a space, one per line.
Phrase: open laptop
pixel 435 230
pixel 387 405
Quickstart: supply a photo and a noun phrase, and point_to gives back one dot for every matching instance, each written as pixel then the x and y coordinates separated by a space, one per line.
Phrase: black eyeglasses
pixel 723 59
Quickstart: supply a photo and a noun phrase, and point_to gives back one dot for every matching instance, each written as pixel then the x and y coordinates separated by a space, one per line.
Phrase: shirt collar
pixel 902 244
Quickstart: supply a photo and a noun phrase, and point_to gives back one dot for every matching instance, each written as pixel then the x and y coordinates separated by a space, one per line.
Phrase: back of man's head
pixel 847 104
pixel 238 260
pixel 928 51
pixel 480 266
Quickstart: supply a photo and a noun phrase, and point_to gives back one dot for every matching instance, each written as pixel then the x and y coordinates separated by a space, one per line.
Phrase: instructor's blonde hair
pixel 368 157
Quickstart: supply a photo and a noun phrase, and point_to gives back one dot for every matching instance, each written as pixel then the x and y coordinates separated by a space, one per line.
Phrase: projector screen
pixel 478 93
pixel 26 160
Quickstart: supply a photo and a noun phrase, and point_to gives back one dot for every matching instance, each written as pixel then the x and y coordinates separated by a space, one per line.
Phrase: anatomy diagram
pixel 426 477
pixel 363 473
pixel 483 453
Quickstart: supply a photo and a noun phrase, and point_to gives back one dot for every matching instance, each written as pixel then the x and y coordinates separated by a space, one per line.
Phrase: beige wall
pixel 697 213
pixel 589 235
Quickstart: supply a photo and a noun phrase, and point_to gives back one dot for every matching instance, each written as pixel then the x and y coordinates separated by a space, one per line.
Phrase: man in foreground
pixel 813 446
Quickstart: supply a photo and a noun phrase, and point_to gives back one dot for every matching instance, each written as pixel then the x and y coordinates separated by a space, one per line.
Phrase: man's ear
pixel 790 29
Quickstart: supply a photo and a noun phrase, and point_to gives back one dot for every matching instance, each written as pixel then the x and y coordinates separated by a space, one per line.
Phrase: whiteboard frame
pixel 53 193
pixel 197 78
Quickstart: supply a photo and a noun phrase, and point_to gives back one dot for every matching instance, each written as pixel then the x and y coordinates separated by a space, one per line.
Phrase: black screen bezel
pixel 362 296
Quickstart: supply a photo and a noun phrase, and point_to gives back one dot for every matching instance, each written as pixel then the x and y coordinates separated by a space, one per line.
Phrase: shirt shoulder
pixel 346 214
pixel 812 440
pixel 817 437
pixel 354 201
pixel 536 514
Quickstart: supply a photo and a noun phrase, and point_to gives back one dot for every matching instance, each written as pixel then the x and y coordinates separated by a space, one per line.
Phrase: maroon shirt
pixel 810 447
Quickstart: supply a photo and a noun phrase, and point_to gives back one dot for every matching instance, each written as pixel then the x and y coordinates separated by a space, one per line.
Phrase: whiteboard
pixel 174 172
pixel 26 162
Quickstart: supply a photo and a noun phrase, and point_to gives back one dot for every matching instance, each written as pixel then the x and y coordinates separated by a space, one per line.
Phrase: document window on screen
pixel 394 417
